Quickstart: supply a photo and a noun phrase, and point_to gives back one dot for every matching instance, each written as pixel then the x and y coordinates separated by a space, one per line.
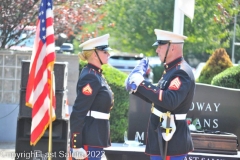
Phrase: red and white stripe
pixel 39 81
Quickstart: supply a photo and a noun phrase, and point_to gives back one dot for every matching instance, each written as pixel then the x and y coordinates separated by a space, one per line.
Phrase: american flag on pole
pixel 40 84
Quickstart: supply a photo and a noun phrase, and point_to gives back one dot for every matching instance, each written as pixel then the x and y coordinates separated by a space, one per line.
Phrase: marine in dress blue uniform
pixel 89 120
pixel 173 93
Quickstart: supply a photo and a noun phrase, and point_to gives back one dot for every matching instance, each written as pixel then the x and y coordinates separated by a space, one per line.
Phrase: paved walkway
pixel 7 151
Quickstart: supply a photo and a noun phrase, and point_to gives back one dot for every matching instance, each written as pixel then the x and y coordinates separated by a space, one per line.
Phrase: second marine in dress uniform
pixel 171 99
pixel 89 120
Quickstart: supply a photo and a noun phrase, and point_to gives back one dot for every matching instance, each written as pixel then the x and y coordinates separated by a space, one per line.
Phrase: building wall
pixel 10 80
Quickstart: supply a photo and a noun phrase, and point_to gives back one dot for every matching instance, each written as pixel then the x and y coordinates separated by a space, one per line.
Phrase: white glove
pixel 79 153
pixel 137 79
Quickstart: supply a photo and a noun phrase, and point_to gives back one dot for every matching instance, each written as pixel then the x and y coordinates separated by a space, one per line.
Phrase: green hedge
pixel 119 113
pixel 228 78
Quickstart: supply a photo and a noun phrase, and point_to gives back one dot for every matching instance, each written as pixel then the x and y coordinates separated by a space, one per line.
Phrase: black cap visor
pixel 160 42
pixel 103 48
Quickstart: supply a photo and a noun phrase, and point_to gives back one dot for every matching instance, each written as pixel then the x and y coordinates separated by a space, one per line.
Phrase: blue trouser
pixel 93 153
pixel 181 157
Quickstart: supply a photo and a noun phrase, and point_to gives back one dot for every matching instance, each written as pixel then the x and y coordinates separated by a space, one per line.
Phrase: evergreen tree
pixel 218 62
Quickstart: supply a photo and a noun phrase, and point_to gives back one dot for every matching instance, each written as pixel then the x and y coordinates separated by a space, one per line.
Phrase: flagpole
pixel 178 20
pixel 50 121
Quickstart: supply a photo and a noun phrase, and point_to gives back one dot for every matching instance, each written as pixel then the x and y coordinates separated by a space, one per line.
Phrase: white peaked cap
pixel 96 42
pixel 168 36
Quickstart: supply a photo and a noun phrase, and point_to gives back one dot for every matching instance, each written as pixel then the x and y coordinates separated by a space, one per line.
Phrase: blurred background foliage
pixel 134 22
pixel 131 24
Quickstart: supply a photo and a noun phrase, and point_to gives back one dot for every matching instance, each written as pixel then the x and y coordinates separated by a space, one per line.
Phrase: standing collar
pixel 173 63
pixel 93 67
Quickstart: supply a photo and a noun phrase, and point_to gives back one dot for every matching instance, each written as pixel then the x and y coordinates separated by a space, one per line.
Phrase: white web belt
pixel 98 115
pixel 177 116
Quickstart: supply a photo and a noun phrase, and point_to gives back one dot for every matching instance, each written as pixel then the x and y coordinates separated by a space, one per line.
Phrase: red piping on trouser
pixel 86 149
